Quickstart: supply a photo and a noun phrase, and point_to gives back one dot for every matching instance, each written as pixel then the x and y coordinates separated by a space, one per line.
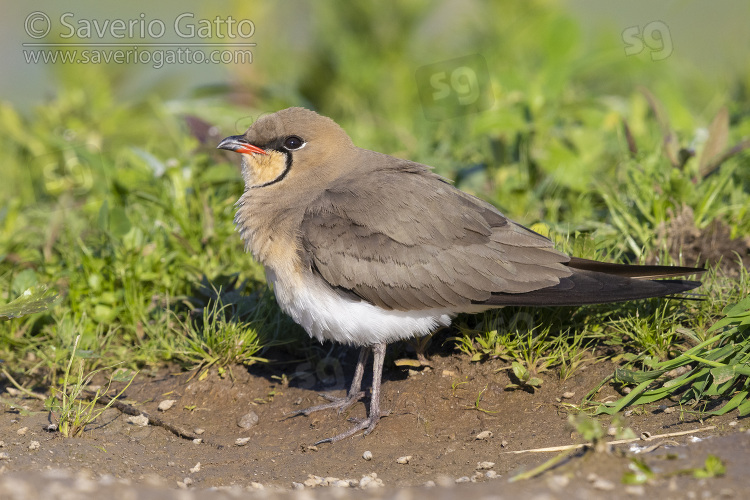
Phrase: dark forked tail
pixel 631 271
pixel 594 282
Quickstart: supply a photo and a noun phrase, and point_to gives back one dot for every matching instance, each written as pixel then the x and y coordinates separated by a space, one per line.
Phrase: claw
pixel 367 424
pixel 340 403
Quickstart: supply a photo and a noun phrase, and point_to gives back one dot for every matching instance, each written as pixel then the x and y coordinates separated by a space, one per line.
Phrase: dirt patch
pixel 698 247
pixel 434 419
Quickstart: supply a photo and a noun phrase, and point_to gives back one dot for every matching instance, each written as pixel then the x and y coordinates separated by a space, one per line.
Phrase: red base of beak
pixel 238 144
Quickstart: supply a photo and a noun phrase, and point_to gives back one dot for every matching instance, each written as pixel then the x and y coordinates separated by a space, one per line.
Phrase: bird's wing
pixel 402 238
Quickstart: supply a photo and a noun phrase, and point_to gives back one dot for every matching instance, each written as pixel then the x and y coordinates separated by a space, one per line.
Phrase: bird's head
pixel 294 144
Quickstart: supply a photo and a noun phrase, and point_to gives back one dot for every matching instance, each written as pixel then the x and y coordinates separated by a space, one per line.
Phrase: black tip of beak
pixel 232 143
pixel 239 144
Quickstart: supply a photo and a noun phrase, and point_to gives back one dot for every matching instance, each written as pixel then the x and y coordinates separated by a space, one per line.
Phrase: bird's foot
pixel 334 402
pixel 365 424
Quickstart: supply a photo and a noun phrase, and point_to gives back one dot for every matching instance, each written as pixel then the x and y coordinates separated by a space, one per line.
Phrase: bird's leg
pixel 354 394
pixel 369 423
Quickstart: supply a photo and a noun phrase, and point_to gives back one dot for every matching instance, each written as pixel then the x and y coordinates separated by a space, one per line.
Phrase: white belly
pixel 326 315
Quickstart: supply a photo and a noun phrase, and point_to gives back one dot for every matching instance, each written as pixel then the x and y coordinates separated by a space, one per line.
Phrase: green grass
pixel 70 407
pixel 115 206
pixel 718 370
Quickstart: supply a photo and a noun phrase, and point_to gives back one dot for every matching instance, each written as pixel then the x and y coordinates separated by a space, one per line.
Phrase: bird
pixel 365 249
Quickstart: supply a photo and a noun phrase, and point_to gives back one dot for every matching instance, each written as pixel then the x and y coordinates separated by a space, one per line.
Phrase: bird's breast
pixel 270 231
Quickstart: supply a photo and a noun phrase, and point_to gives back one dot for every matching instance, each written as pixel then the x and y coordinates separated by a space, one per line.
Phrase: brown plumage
pixel 364 248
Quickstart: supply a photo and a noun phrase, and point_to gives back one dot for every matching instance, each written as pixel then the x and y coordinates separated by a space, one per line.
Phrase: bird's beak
pixel 238 144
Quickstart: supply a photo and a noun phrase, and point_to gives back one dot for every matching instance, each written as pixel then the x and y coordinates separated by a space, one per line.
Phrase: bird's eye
pixel 293 142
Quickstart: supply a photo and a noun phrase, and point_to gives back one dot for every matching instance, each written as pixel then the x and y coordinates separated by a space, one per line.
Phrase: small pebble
pixel 491 474
pixel 195 468
pixel 312 447
pixel 429 484
pixel 485 465
pixel 256 486
pixel 4 456
pixel 367 455
pixel 2 444
pixel 672 485
pixel 107 480
pixel 341 483
pixel 671 410
pixel 484 435
pixel 464 479
pixel 197 441
pixel 403 460
pixel 313 481
pixel 370 480
pixel 139 420
pixel 166 404
pixel 445 481
pixel 34 445
pixel 626 390
pixel 635 489
pixel 603 484
pixel 84 483
pixel 732 423
pixel 448 373
pixel 248 420
pixel 241 441
pixel 187 481
pixel 149 479
pixel 568 394
pixel 557 483
pixel 22 431
pixel 297 486
pixel 199 431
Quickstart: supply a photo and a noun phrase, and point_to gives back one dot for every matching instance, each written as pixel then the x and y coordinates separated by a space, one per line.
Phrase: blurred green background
pixel 607 125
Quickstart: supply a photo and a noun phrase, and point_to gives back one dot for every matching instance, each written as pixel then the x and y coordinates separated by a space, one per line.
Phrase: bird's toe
pixel 365 424
pixel 333 402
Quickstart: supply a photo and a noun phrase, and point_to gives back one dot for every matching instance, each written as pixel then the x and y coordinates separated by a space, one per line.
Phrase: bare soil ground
pixel 698 247
pixel 434 420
